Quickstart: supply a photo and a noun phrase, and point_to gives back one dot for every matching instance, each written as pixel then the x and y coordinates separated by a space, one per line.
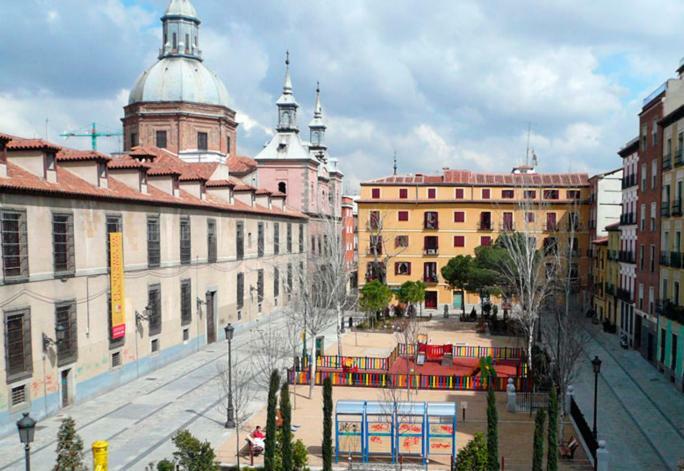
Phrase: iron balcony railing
pixel 624 295
pixel 677 208
pixel 667 161
pixel 665 209
pixel 485 226
pixel 678 160
pixel 626 256
pixel 676 259
pixel 627 218
pixel 431 251
pixel 629 181
pixel 430 278
pixel 610 289
pixel 613 255
pixel 671 310
pixel 665 258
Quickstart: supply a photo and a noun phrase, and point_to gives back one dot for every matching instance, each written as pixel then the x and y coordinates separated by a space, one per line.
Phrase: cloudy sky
pixel 442 83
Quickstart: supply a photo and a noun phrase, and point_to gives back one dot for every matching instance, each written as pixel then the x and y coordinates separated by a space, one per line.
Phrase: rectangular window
pixel 529 194
pixel 276 238
pixel 185 242
pixel 654 174
pixel 403 215
pixel 65 317
pixel 431 245
pixel 430 272
pixel 260 239
pixel 507 194
pixel 458 193
pixel 154 314
pixel 186 301
pixel 260 285
pixel 212 240
pixel 507 221
pixel 459 241
pixel 113 225
pixel 240 290
pixel 14 246
pixel 403 193
pixel 654 132
pixel 550 194
pixel 653 258
pixel 18 359
pixel 161 139
pixel 432 193
pixel 289 277
pixel 375 245
pixel 202 141
pixel 641 257
pixel 459 216
pixel 289 237
pixel 240 240
pixel 402 268
pixel 154 345
pixel 573 194
pixel 486 193
pixel 644 177
pixel 276 282
pixel 431 220
pixel 153 246
pixel 529 217
pixel 374 220
pixel 63 243
pixel 485 240
pixel 134 139
pixel 375 193
pixel 401 241
pixel 485 221
pixel 18 395
pixel 551 224
pixel 301 238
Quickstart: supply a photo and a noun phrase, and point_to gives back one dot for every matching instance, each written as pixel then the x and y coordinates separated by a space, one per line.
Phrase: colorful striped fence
pixel 362 363
pixel 467 351
pixel 413 381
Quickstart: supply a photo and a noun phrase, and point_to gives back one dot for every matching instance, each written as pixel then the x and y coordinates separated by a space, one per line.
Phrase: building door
pixel 211 321
pixel 64 382
pixel 458 300
pixel 673 357
pixel 650 351
pixel 637 333
pixel 431 299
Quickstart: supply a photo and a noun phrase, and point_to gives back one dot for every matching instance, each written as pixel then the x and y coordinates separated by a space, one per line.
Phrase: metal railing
pixel 667 161
pixel 583 427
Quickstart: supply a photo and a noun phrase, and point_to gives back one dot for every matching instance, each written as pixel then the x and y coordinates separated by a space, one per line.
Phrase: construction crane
pixel 93 134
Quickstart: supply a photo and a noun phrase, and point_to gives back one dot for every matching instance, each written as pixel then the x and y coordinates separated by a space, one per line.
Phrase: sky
pixel 441 83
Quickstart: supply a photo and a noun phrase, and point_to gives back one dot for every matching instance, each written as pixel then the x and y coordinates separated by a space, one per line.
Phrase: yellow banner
pixel 116 279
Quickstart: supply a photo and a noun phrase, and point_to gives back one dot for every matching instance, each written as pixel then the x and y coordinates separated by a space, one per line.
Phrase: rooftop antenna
pixel 527 151
pixel 46 130
pixel 93 134
pixel 395 162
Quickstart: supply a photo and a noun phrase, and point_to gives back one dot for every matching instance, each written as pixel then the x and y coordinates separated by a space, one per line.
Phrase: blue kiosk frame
pixel 437 421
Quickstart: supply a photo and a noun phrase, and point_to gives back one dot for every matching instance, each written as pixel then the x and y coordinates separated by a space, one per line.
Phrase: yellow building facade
pixel 410 226
pixel 599 270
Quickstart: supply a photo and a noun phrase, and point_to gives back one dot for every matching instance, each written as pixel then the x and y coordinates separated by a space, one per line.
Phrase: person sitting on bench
pixel 256 440
pixel 567 450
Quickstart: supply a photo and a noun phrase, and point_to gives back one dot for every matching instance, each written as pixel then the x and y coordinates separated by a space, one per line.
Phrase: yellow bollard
pixel 100 455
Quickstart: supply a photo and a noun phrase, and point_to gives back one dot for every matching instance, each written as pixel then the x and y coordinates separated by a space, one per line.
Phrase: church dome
pixel 179 79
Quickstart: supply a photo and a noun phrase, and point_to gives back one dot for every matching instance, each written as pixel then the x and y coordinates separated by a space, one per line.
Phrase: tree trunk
pixel 312 367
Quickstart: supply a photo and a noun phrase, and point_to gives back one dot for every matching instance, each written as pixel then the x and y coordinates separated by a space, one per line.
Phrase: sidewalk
pixel 640 415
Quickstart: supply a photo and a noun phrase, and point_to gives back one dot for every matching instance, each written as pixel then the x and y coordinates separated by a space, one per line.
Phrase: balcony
pixel 671 311
pixel 677 208
pixel 551 227
pixel 610 289
pixel 431 251
pixel 665 209
pixel 629 181
pixel 667 161
pixel 613 255
pixel 678 159
pixel 430 278
pixel 676 259
pixel 624 295
pixel 665 258
pixel 485 226
pixel 626 256
pixel 627 218
pixel 507 227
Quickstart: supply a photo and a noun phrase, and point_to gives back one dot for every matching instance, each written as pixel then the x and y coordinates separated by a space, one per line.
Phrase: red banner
pixel 434 352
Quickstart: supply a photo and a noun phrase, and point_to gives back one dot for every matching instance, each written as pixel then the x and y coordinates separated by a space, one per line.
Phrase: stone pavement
pixel 640 414
pixel 138 419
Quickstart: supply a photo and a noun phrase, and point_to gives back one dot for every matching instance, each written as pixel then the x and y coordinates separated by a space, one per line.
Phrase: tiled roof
pixel 66 155
pixel 69 185
pixel 468 178
pixel 241 165
pixel 31 144
pixel 220 183
pixel 142 151
pixel 600 241
pixel 615 225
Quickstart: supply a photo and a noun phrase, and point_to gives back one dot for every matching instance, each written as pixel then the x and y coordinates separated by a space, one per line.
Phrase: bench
pixel 567 450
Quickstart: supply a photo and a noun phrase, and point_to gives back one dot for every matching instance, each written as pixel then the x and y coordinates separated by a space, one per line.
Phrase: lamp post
pixel 27 428
pixel 230 412
pixel 59 337
pixel 596 365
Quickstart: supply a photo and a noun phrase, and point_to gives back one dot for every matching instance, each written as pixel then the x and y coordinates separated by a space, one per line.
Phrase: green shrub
pixel 473 457
pixel 193 455
pixel 538 447
pixel 166 465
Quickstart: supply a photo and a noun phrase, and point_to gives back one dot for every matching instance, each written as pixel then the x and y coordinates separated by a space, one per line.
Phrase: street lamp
pixel 27 428
pixel 596 364
pixel 230 413
pixel 59 337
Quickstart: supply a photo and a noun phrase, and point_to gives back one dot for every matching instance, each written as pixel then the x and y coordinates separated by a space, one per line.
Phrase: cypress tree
pixel 492 432
pixel 286 435
pixel 270 442
pixel 538 449
pixel 327 424
pixel 69 447
pixel 552 456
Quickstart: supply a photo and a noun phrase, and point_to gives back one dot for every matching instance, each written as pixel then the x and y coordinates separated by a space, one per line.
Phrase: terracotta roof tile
pixel 241 165
pixel 468 178
pixel 220 183
pixel 67 154
pixel 126 161
pixel 30 144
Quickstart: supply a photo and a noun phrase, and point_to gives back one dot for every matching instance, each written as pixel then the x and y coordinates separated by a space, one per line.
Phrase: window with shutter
pixel 18 355
pixel 375 193
pixel 458 193
pixel 260 239
pixel 486 193
pixel 186 301
pixel 185 241
pixel 153 244
pixel 403 193
pixel 401 241
pixel 63 244
pixel 507 194
pixel 154 314
pixel 67 349
pixel 459 241
pixel 459 216
pixel 403 215
pixel 289 237
pixel 212 241
pixel 432 193
pixel 14 246
pixel 240 288
pixel 431 220
pixel 276 282
pixel 239 240
pixel 301 238
pixel 113 224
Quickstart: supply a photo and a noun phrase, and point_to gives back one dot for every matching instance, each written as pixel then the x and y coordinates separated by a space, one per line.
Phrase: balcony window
pixel 430 272
pixel 375 245
pixel 507 221
pixel 374 220
pixel 486 221
pixel 550 194
pixel 431 245
pixel 431 220
pixel 402 268
pixel 551 224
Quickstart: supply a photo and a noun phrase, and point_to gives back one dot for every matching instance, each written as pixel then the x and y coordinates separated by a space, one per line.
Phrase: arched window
pixel 282 187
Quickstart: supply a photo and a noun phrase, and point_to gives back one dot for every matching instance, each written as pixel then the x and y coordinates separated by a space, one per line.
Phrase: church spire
pixel 317 126
pixel 287 105
pixel 180 31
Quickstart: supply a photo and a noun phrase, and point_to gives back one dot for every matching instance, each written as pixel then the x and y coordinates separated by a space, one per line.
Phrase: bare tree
pixel 322 293
pixel 382 246
pixel 270 351
pixel 242 379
